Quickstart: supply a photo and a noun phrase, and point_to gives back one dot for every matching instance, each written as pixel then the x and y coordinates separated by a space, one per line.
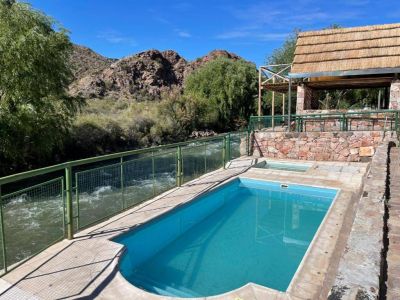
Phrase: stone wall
pixel 394 102
pixel 325 146
pixel 305 99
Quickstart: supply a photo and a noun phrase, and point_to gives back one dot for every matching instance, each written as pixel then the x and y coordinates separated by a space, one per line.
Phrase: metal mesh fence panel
pixel 193 162
pixel 33 219
pixel 214 155
pixel 238 144
pixel 201 158
pixel 165 166
pixel 138 180
pixel 98 194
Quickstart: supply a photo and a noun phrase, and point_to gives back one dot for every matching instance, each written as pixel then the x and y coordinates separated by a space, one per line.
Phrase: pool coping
pixel 249 287
pixel 299 267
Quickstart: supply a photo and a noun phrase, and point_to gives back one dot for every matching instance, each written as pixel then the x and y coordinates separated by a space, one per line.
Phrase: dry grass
pixel 102 112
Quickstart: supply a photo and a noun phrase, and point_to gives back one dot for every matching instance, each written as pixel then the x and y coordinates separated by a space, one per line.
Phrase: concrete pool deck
pixel 86 267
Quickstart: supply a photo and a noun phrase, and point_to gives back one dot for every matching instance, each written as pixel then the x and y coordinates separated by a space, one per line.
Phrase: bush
pixel 223 92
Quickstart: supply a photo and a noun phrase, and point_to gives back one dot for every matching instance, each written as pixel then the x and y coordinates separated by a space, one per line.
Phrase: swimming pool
pixel 244 231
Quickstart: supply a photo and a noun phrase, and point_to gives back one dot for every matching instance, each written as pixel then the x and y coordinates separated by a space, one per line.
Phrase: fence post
pixel 179 171
pixel 153 172
pixel 78 225
pixel 396 121
pixel 121 165
pixel 224 154
pixel 68 196
pixel 205 157
pixel 248 142
pixel 228 143
pixel 344 127
pixel 2 235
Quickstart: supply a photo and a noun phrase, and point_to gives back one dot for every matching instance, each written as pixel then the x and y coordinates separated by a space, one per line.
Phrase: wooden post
pixel 259 91
pixel 379 99
pixel 273 105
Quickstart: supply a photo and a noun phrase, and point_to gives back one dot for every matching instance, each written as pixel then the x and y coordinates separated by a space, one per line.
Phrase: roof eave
pixel 345 73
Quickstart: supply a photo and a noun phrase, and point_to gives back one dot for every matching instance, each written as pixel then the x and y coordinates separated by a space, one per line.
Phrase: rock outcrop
pixel 145 75
pixel 85 61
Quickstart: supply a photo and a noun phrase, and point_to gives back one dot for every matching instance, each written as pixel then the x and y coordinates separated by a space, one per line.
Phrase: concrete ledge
pixel 359 270
pixel 393 254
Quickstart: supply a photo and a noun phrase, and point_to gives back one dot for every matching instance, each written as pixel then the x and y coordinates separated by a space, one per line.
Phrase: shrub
pixel 223 92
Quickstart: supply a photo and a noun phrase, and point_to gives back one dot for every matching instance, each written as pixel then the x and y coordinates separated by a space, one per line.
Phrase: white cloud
pixel 243 34
pixel 115 37
pixel 183 33
pixel 283 14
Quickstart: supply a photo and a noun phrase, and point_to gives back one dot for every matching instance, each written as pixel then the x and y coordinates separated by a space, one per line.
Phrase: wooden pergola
pixel 274 78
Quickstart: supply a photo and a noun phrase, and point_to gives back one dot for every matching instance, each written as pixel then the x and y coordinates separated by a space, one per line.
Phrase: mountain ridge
pixel 144 75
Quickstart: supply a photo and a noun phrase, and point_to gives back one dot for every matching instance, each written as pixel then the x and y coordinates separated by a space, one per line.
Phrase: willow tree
pixel 224 91
pixel 35 109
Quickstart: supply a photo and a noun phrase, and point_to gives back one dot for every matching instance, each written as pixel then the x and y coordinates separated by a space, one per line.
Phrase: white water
pixel 32 222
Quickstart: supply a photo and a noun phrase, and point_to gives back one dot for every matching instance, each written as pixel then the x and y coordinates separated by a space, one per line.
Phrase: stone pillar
pixel 394 101
pixel 304 98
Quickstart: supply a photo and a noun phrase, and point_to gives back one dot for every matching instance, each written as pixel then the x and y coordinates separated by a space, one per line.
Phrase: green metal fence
pixel 381 120
pixel 41 207
pixel 31 219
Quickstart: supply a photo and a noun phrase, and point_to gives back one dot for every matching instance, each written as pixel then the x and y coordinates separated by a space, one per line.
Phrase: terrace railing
pixel 43 206
pixel 382 120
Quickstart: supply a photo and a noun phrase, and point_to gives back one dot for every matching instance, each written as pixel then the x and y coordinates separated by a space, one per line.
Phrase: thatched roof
pixel 348 49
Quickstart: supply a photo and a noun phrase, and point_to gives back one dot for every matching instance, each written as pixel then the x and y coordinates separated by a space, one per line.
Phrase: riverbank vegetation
pixel 41 124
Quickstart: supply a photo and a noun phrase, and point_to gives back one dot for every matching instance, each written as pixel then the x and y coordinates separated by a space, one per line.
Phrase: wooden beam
pixel 351 83
pixel 279 87
pixel 274 74
pixel 336 83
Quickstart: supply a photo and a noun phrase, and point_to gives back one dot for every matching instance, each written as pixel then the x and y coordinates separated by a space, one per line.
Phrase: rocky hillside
pixel 85 61
pixel 145 75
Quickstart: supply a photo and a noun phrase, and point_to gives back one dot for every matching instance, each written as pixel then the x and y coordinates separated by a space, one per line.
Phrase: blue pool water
pixel 245 231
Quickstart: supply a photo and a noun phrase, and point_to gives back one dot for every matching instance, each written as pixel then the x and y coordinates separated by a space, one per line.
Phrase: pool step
pixel 163 289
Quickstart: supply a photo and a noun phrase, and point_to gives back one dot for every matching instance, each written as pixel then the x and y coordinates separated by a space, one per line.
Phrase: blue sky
pixel 249 28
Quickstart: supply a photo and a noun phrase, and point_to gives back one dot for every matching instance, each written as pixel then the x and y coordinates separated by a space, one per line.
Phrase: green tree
pixel 35 110
pixel 285 53
pixel 224 91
